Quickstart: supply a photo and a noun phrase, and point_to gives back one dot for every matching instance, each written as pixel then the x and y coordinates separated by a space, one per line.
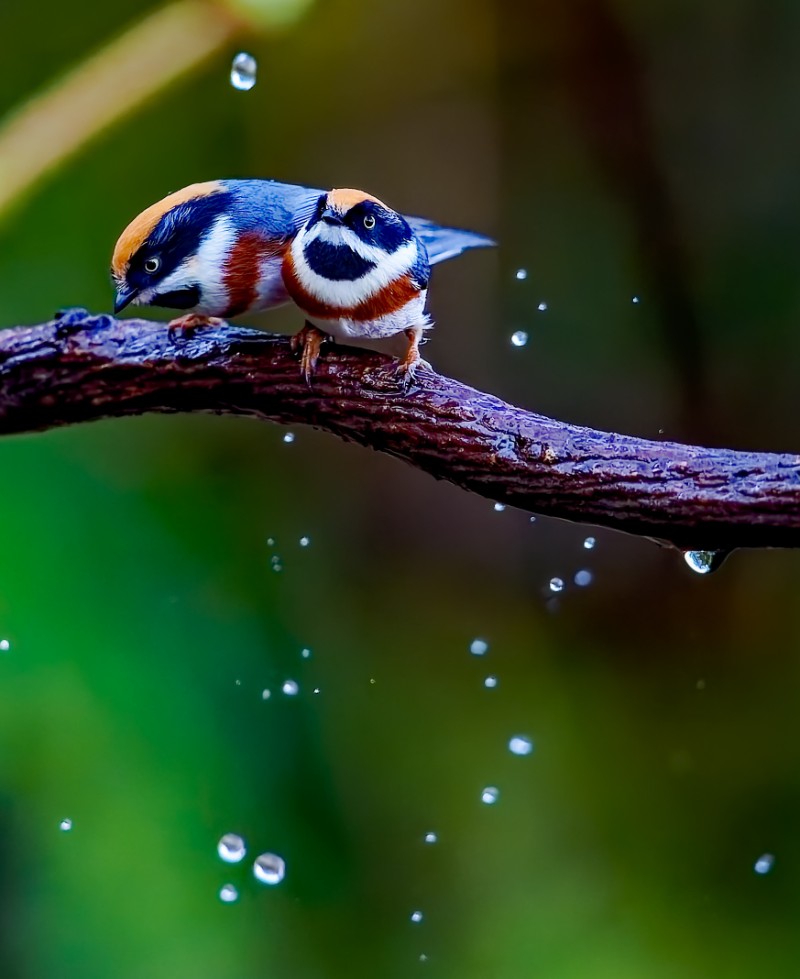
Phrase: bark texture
pixel 80 368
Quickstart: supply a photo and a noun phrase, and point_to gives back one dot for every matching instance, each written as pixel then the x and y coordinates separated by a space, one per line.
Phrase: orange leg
pixel 307 343
pixel 407 367
pixel 190 322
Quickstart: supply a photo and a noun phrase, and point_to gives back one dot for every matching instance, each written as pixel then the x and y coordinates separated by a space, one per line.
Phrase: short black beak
pixel 124 296
pixel 329 216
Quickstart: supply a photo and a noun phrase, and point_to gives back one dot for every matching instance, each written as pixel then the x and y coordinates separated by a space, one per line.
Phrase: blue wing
pixel 270 207
pixel 443 243
pixel 281 210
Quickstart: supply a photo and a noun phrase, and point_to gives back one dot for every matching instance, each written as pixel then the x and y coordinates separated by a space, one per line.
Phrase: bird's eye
pixel 152 265
pixel 369 222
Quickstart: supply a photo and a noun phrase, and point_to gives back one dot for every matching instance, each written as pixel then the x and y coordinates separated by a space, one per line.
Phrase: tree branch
pixel 81 368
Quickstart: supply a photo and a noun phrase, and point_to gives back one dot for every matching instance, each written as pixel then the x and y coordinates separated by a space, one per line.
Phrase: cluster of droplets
pixel 268 868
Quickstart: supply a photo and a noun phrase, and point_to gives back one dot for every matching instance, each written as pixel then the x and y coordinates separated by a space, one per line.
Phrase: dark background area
pixel 615 150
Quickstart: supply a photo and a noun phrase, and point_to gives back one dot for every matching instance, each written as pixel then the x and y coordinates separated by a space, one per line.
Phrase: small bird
pixel 356 268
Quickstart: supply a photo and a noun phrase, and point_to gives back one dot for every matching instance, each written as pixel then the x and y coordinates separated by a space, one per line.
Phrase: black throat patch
pixel 335 262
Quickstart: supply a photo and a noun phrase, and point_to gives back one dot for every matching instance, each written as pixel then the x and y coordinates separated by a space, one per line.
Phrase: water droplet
pixel 305 541
pixel 316 689
pixel 305 653
pixel 589 543
pixel 520 744
pixel 519 338
pixel 290 688
pixel 499 507
pixel 635 299
pixel 228 894
pixel 701 684
pixel 704 562
pixel 490 682
pixel 65 825
pixel 271 541
pixel 583 578
pixel 231 848
pixel 5 645
pixel 532 519
pixel 479 647
pixel 423 957
pixel 243 71
pixel 490 795
pixel 556 585
pixel 431 838
pixel 275 563
pixel 266 694
pixel 288 438
pixel 238 683
pixel 542 307
pixel 521 274
pixel 269 868
pixel 416 916
pixel 764 863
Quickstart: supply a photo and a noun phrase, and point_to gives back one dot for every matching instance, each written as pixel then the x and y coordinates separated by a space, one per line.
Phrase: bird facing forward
pixel 356 268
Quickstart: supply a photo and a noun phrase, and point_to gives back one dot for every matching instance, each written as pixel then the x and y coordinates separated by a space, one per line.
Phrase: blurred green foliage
pixel 615 150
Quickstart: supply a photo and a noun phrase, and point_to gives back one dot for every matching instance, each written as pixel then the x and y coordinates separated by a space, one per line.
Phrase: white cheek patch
pixel 346 293
pixel 206 269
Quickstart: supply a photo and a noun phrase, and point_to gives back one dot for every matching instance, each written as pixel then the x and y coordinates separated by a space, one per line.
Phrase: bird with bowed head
pixel 357 269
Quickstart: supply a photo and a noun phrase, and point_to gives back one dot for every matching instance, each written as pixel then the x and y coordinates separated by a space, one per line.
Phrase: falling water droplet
pixel 65 825
pixel 479 647
pixel 266 694
pixel 305 653
pixel 416 916
pixel 520 744
pixel 431 837
pixel 542 307
pixel 275 563
pixel 271 541
pixel 423 957
pixel 556 585
pixel 583 578
pixel 269 868
pixel 228 894
pixel 519 338
pixel 521 274
pixel 490 795
pixel 5 645
pixel 288 438
pixel 635 299
pixel 490 682
pixel 290 688
pixel 231 848
pixel 305 541
pixel 243 71
pixel 589 543
pixel 764 863
pixel 704 562
pixel 499 507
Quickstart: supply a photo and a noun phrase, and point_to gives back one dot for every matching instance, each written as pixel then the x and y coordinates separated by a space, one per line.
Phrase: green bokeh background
pixel 615 149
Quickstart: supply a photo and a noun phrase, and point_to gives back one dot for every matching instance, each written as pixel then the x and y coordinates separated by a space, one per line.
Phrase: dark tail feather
pixel 443 243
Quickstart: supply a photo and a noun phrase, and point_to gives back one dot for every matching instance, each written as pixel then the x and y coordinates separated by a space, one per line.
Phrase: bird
pixel 357 269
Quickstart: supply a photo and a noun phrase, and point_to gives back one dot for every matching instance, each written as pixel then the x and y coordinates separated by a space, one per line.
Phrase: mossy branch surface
pixel 82 368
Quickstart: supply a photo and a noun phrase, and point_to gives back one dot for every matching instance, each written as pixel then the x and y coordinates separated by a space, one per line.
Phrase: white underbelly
pixel 411 316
